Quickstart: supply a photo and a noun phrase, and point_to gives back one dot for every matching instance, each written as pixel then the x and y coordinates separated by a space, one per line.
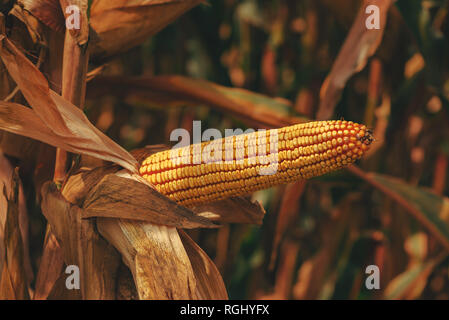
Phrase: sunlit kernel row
pixel 238 171
pixel 227 189
pixel 226 145
pixel 169 186
pixel 289 138
pixel 221 190
pixel 203 169
pixel 222 181
pixel 301 151
pixel 207 153
pixel 225 184
pixel 329 146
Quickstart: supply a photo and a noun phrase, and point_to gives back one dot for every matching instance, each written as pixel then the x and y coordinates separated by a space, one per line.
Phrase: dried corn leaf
pixel 7 289
pixel 82 246
pixel 74 190
pixel 6 85
pixel 32 24
pixel 60 292
pixel 62 217
pixel 48 12
pixel 122 24
pixel 23 121
pixel 210 284
pixel 232 210
pixel 23 223
pixel 6 182
pixel 6 171
pixel 81 181
pixel 360 44
pixel 256 109
pixel 3 215
pixel 156 257
pixel 13 281
pixel 68 124
pixel 117 25
pixel 289 208
pixel 317 276
pixel 343 11
pixel 285 271
pixel 410 284
pixel 428 208
pixel 117 197
pixel 50 268
pixel 18 146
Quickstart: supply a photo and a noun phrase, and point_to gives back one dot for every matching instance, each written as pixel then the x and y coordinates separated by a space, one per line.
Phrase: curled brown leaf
pixel 69 127
pixel 117 197
pixel 255 109
pixel 360 44
pixel 210 284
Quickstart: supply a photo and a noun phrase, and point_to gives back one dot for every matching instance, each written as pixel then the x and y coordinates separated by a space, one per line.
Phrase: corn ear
pixel 242 164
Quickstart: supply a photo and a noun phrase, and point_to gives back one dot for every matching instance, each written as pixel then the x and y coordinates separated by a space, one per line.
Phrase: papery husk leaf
pixel 117 197
pixel 13 283
pixel 81 181
pixel 156 257
pixel 59 290
pixel 48 284
pixel 232 210
pixel 7 290
pixel 6 171
pixel 50 268
pixel 6 180
pixel 210 285
pixel 81 244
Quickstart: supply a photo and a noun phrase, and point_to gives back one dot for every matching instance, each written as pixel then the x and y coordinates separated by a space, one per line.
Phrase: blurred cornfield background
pixel 297 59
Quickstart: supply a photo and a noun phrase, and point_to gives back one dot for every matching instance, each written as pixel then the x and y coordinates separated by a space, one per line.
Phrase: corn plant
pixel 92 186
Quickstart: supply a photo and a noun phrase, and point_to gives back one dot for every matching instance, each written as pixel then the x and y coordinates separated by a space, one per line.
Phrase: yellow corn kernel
pixel 259 161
